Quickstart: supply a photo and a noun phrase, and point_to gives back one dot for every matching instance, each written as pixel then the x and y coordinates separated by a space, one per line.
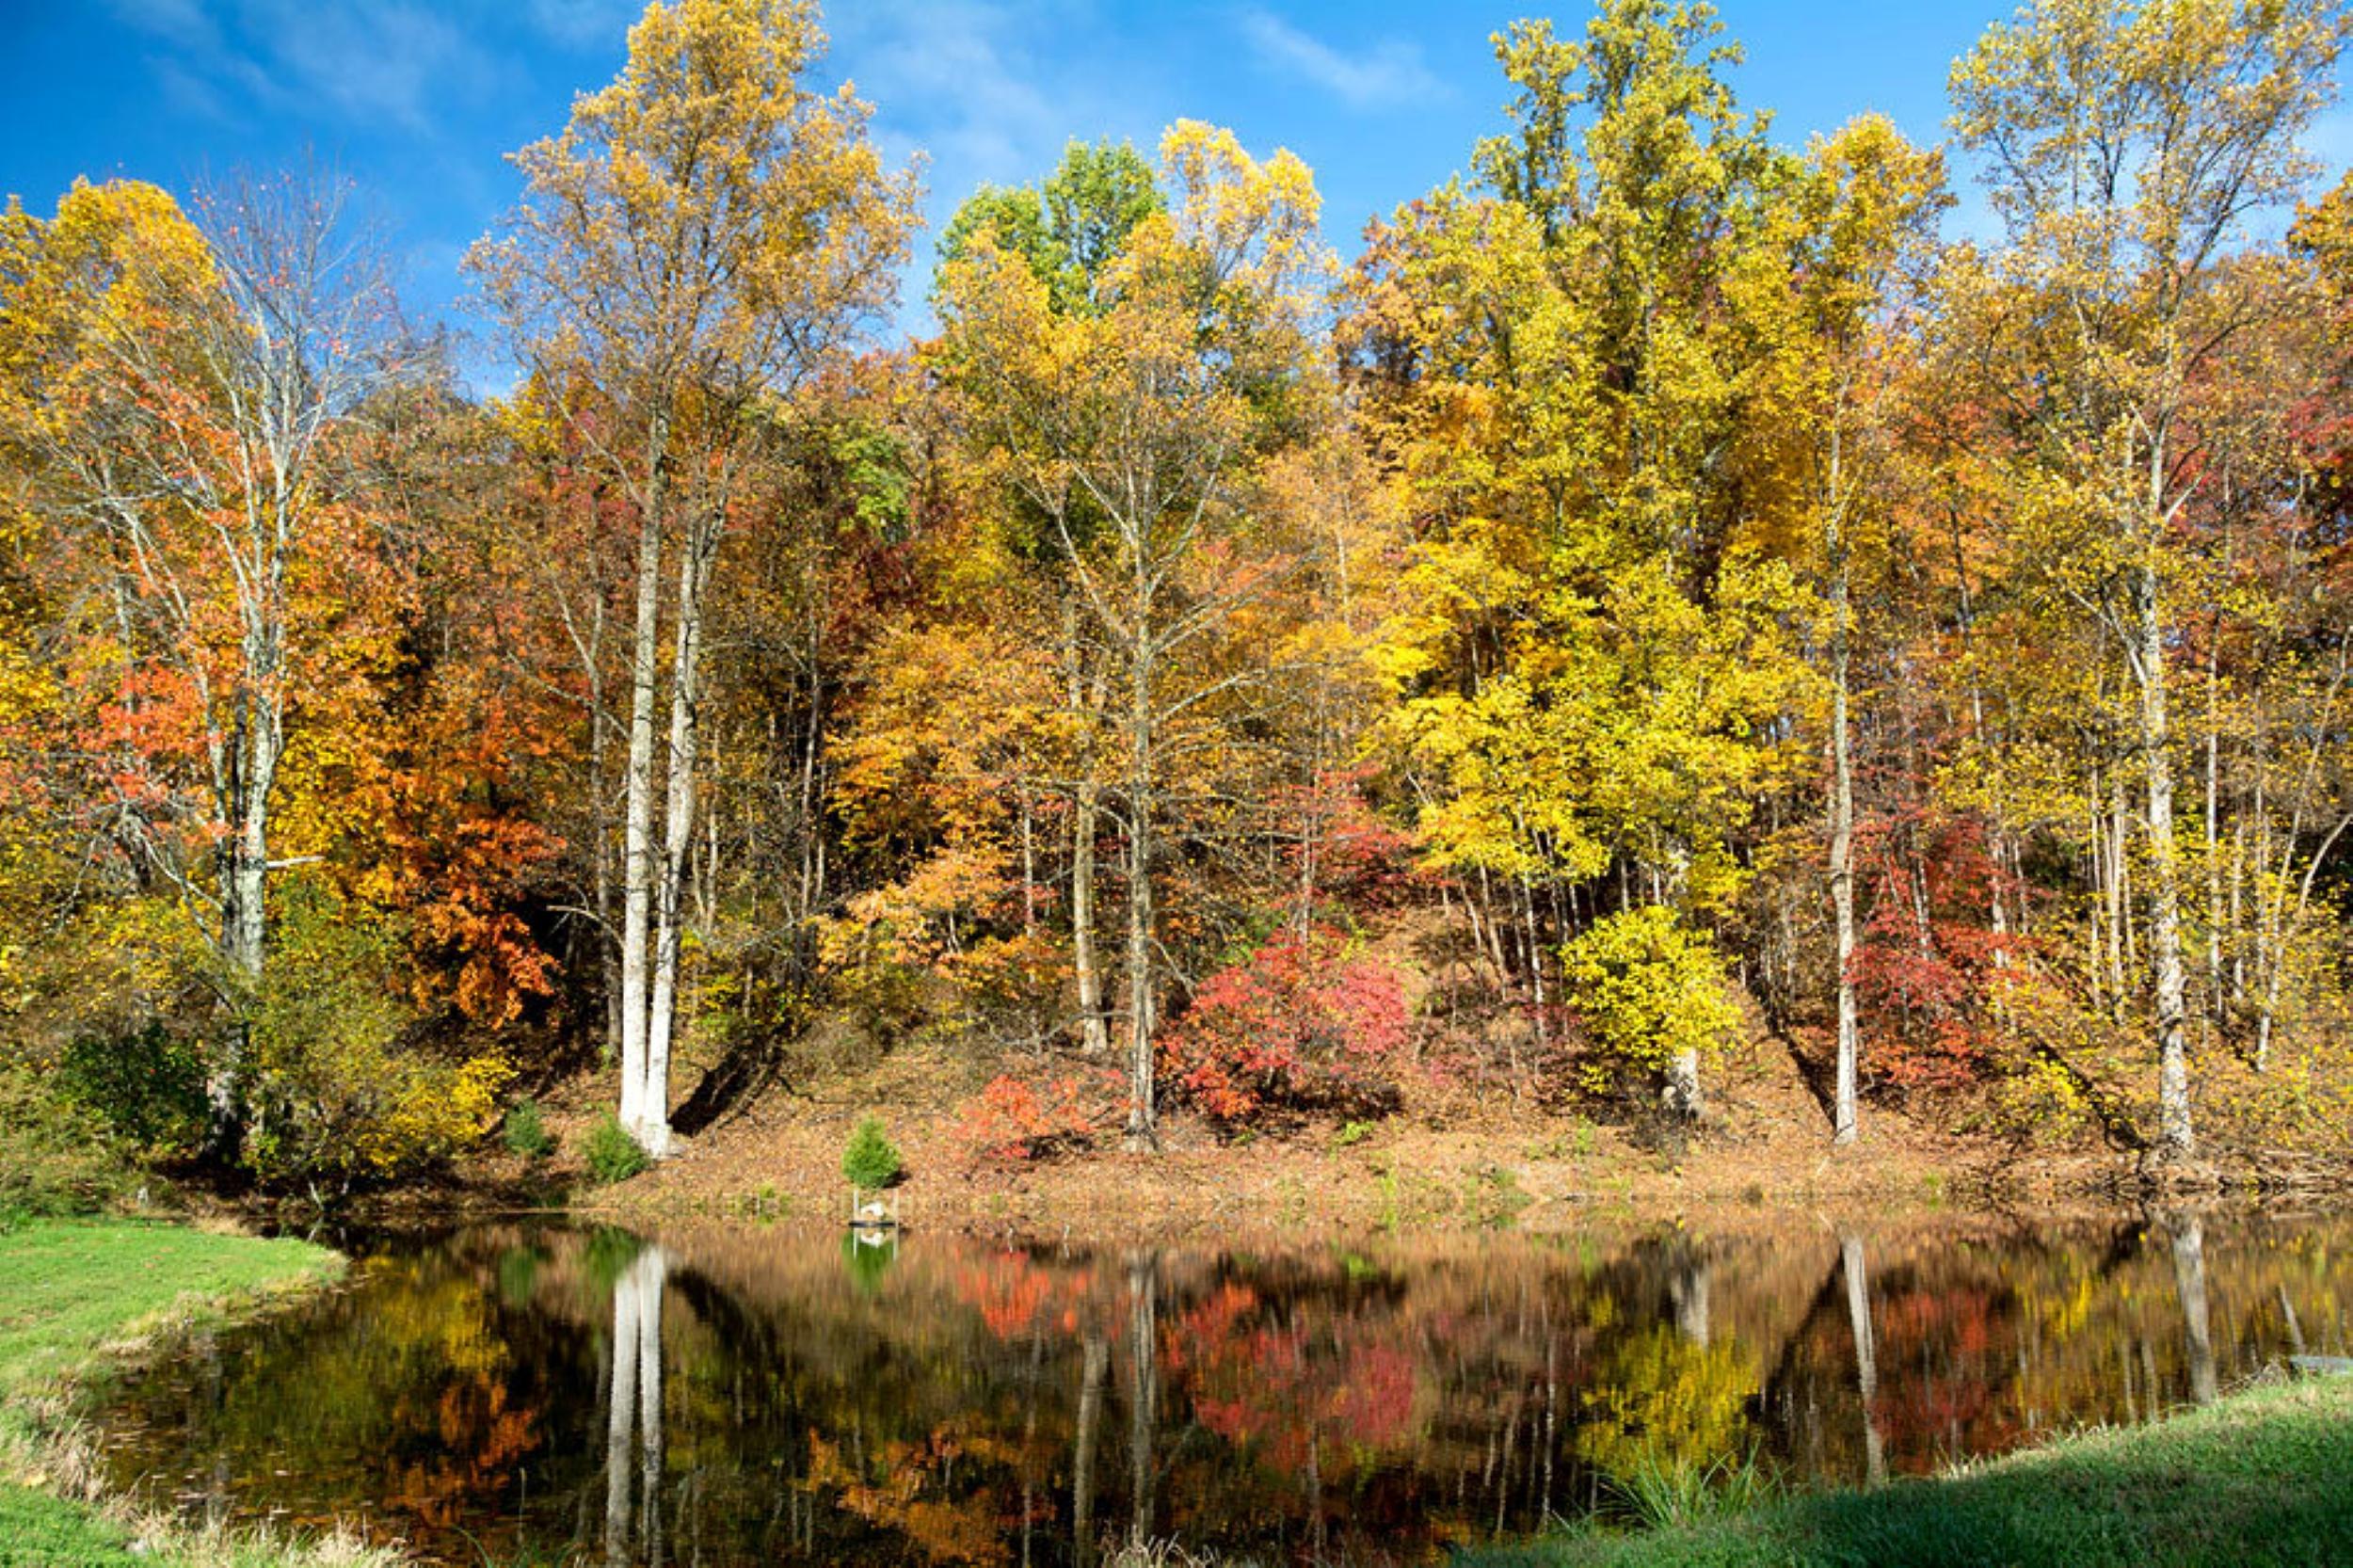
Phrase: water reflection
pixel 720 1395
pixel 634 1406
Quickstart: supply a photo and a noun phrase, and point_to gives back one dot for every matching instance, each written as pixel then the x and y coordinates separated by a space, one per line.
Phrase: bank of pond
pixel 543 1392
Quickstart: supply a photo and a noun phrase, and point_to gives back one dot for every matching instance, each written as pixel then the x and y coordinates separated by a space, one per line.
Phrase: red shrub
pixel 1012 1120
pixel 1299 1026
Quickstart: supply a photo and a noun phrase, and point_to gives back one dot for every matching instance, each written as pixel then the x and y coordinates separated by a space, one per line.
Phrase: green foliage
pixel 1659 1493
pixel 1648 987
pixel 613 1154
pixel 55 1157
pixel 1069 230
pixel 527 1133
pixel 872 1161
pixel 148 1086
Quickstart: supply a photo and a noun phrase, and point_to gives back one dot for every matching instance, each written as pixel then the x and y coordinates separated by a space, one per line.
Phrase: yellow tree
pixel 1132 428
pixel 2128 143
pixel 1594 658
pixel 1848 245
pixel 702 239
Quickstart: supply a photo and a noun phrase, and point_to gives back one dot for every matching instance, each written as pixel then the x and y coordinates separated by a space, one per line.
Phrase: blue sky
pixel 419 99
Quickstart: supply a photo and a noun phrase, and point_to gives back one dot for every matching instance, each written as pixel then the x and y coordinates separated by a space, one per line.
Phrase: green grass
pixel 75 1297
pixel 2263 1478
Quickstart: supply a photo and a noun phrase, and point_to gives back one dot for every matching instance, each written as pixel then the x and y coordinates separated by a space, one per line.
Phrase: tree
pixel 1596 650
pixel 1070 231
pixel 176 389
pixel 1850 240
pixel 1131 430
pixel 702 238
pixel 2128 143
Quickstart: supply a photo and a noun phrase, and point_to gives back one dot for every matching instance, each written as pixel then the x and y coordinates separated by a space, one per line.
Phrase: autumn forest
pixel 1665 597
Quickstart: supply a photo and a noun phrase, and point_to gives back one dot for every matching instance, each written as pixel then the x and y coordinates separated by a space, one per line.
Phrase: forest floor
pixel 78 1297
pixel 1455 1156
pixel 2260 1478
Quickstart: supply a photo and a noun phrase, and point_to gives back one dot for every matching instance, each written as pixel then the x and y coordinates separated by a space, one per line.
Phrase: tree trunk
pixel 245 924
pixel 1094 1032
pixel 678 839
pixel 637 853
pixel 2175 1138
pixel 2189 1281
pixel 1865 1352
pixel 1095 1361
pixel 1144 1282
pixel 1141 1119
pixel 1842 863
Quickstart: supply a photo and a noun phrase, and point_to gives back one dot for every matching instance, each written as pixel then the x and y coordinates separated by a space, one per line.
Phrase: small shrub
pixel 1012 1120
pixel 1299 1026
pixel 613 1154
pixel 527 1133
pixel 872 1161
pixel 1648 988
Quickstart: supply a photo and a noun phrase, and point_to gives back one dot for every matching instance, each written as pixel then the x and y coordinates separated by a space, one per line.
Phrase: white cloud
pixel 1389 71
pixel 366 60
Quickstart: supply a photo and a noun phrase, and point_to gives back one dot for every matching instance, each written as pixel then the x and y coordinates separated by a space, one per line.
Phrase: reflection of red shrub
pixel 1015 1120
pixel 1283 1388
pixel 1299 1026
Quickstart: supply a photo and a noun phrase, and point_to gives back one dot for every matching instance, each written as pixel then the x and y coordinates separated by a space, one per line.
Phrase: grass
pixel 76 1296
pixel 2262 1479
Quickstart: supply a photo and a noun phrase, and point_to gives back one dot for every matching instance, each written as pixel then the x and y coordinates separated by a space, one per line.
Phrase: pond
pixel 740 1394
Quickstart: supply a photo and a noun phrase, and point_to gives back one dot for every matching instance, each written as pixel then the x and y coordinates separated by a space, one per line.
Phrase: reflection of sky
pixel 419 99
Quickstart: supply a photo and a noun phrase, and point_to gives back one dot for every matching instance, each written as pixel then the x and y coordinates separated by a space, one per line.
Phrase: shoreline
pixel 83 1299
pixel 2271 1461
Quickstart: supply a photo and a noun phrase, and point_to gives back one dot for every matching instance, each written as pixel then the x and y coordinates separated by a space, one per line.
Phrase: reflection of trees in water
pixel 1027 1405
pixel 2188 1246
pixel 634 1408
pixel 1852 1265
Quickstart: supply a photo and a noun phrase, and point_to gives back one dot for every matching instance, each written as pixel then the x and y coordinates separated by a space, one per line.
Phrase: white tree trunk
pixel 1142 1121
pixel 678 838
pixel 2189 1281
pixel 637 850
pixel 1093 1032
pixel 1865 1352
pixel 2175 1139
pixel 1842 870
pixel 632 1480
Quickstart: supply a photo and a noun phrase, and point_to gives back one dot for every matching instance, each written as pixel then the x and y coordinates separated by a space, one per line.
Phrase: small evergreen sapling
pixel 872 1161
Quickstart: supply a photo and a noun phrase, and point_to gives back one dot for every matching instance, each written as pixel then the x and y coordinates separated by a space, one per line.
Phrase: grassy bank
pixel 75 1297
pixel 2263 1478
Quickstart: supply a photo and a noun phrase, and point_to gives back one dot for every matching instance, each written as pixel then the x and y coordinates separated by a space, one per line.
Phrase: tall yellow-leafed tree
pixel 702 238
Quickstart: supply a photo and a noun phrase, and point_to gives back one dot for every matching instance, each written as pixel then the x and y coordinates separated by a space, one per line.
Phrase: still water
pixel 754 1395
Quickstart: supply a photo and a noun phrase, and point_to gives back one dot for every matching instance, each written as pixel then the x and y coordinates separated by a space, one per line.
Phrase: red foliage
pixel 1345 851
pixel 1923 966
pixel 1299 1026
pixel 1013 1120
pixel 1287 1388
